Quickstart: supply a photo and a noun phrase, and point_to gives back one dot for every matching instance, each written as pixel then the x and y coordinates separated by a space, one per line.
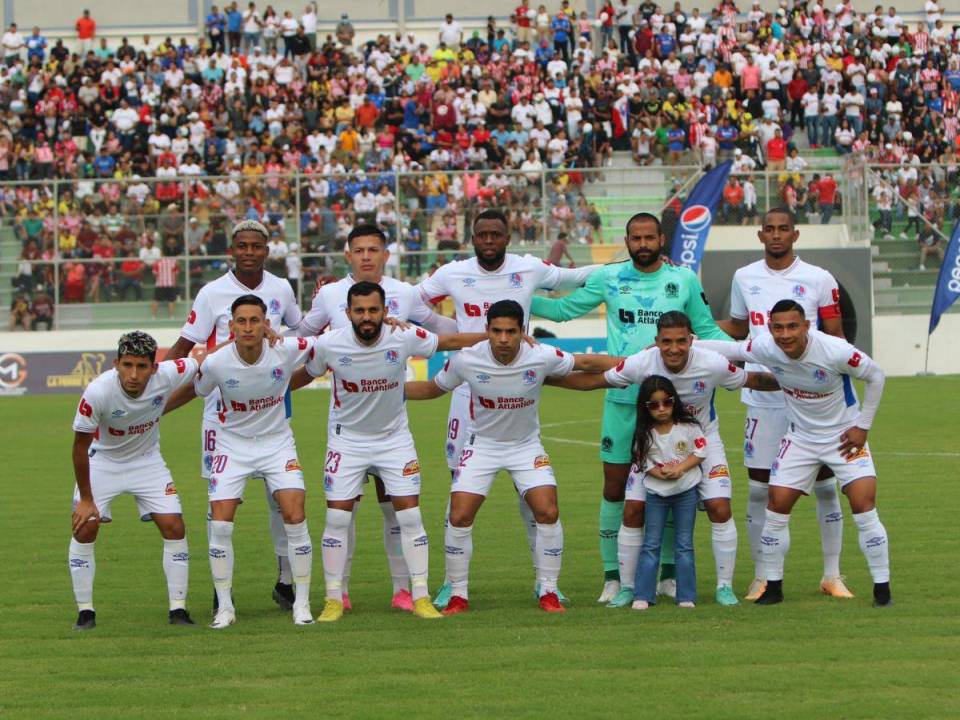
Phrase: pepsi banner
pixel 948 281
pixel 695 220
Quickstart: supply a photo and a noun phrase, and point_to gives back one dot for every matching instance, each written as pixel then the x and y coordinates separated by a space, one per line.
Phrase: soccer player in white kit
pixel 209 324
pixel 254 439
pixel 696 373
pixel 505 376
pixel 827 427
pixel 755 289
pixel 368 431
pixel 367 254
pixel 116 451
pixel 493 274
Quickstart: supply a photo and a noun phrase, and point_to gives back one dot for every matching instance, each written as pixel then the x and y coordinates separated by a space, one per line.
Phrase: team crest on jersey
pixel 328 482
pixel 393 306
pixel 755 290
pixel 411 468
pixel 118 413
pixel 158 401
pixel 516 280
pixel 718 471
pixel 671 290
pixel 293 466
pixel 681 447
pixel 274 306
pixel 529 377
pixel 820 375
pixel 799 292
pixel 277 375
pixel 344 360
pixel 469 282
pixel 748 449
pixel 483 378
pixel 860 454
pixel 699 387
pixel 541 461
pixel 232 383
pixel 392 357
pixel 170 489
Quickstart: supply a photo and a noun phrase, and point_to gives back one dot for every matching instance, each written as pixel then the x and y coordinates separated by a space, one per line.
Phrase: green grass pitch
pixel 813 656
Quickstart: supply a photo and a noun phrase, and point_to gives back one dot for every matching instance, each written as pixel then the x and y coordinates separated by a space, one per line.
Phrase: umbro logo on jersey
pixel 469 282
pixel 158 401
pixel 625 289
pixel 344 360
pixel 483 378
pixel 755 290
pixel 232 383
pixel 118 413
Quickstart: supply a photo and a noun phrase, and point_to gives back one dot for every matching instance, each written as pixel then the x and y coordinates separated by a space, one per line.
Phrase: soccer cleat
pixel 302 615
pixel 332 611
pixel 347 605
pixel 283 596
pixel 180 617
pixel 772 593
pixel 423 608
pixel 610 590
pixel 835 587
pixel 686 604
pixel 86 620
pixel 442 598
pixel 402 600
pixel 456 605
pixel 756 589
pixel 667 587
pixel 564 600
pixel 725 596
pixel 881 595
pixel 551 603
pixel 640 605
pixel 225 617
pixel 624 598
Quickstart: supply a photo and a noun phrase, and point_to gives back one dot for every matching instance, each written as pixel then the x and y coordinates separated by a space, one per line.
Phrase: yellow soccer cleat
pixel 423 608
pixel 332 611
pixel 756 589
pixel 835 587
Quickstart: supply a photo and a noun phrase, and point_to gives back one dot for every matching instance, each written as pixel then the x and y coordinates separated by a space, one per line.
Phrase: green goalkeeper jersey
pixel 635 301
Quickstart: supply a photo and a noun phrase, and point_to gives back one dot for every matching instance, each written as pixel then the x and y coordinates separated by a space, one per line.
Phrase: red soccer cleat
pixel 346 603
pixel 551 603
pixel 456 605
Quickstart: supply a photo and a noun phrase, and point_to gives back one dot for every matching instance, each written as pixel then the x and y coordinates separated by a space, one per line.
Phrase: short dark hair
pixel 780 210
pixel 649 217
pixel 505 309
pixel 138 344
pixel 673 319
pixel 364 288
pixel 248 299
pixel 787 305
pixel 492 214
pixel 366 230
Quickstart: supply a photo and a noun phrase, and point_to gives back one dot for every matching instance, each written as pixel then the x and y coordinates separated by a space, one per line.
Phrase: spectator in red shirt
pixel 796 89
pixel 523 21
pixel 86 28
pixel 827 192
pixel 367 114
pixel 777 152
pixel 732 207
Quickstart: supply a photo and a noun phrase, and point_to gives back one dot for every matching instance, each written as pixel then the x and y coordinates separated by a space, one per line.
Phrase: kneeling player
pixel 505 376
pixel 116 450
pixel 255 441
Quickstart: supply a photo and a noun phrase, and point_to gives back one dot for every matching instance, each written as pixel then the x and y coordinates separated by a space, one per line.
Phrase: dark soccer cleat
pixel 881 595
pixel 86 620
pixel 180 617
pixel 283 596
pixel 772 594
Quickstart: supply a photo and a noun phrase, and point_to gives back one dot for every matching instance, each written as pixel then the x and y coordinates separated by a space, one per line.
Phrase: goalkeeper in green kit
pixel 636 292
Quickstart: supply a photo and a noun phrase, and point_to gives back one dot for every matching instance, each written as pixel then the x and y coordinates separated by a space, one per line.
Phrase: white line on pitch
pixel 568 422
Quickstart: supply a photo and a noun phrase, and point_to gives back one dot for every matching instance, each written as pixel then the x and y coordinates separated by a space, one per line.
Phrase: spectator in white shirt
pixel 451 32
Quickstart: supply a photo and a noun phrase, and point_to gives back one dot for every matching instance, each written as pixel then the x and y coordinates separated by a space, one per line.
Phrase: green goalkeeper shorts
pixel 616 434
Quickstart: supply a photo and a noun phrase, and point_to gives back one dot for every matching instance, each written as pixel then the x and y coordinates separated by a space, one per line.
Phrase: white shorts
pixel 208 445
pixel 528 465
pixel 716 475
pixel 764 429
pixel 393 460
pixel 147 478
pixel 799 461
pixel 272 457
pixel 635 490
pixel 458 425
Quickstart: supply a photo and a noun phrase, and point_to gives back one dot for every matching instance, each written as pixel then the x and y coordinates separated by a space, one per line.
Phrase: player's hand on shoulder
pixel 396 324
pixel 530 340
pixel 272 336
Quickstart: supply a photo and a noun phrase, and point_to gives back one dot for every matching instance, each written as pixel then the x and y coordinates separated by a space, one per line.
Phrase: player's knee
pixel 718 511
pixel 547 515
pixel 633 514
pixel 614 490
pixel 87 532
pixel 461 518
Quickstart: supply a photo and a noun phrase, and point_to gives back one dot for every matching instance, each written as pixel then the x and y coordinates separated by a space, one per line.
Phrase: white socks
pixel 530 525
pixel 301 560
pixel 279 538
pixel 629 542
pixel 391 543
pixel 830 518
pixel 176 564
pixel 458 546
pixel 775 541
pixel 334 550
pixel 873 543
pixel 724 536
pixel 83 567
pixel 416 549
pixel 351 546
pixel 549 555
pixel 221 561
pixel 756 511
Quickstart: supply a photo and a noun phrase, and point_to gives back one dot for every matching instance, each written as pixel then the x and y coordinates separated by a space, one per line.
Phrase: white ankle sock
pixel 775 541
pixel 724 536
pixel 873 543
pixel 301 560
pixel 458 548
pixel 549 555
pixel 221 561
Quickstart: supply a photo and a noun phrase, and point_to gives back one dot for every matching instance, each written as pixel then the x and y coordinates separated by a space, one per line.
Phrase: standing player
pixel 367 255
pixel 696 373
pixel 827 428
pixel 209 323
pixel 254 439
pixel 473 283
pixel 636 293
pixel 756 288
pixel 116 450
pixel 505 376
pixel 368 431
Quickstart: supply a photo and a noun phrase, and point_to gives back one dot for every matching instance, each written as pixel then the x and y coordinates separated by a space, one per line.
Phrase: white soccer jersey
pixel 403 302
pixel 696 383
pixel 681 442
pixel 252 396
pixel 366 390
pixel 126 427
pixel 756 289
pixel 504 402
pixel 209 320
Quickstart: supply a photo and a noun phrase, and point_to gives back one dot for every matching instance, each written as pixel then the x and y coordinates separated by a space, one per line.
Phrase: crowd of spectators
pixel 164 143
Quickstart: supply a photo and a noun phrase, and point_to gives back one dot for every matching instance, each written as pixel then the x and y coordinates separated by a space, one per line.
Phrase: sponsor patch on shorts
pixel 170 489
pixel 860 454
pixel 293 465
pixel 718 471
pixel 541 461
pixel 411 468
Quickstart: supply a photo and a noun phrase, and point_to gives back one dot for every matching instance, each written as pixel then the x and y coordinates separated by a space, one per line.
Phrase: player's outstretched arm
pixel 698 310
pixel 595 363
pixel 180 397
pixel 181 348
pixel 762 381
pixel 579 381
pixel 459 341
pixel 737 328
pixel 731 350
pixel 422 390
pixel 300 378
pixel 579 302
pixel 85 511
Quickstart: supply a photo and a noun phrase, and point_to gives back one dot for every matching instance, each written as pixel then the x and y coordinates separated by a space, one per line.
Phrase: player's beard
pixel 367 331
pixel 490 263
pixel 644 259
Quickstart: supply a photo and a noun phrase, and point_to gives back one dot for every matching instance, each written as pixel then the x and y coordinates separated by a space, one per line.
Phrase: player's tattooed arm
pixel 86 510
pixel 459 341
pixel 422 390
pixel 579 381
pixel 762 381
pixel 595 363
pixel 737 328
